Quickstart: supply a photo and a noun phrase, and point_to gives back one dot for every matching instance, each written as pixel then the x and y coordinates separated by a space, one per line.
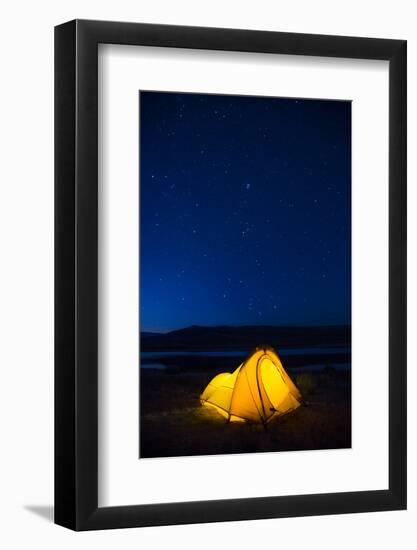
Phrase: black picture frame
pixel 76 272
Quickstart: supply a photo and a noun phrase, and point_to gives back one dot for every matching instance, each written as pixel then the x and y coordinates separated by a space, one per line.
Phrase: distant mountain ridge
pixel 201 338
pixel 147 334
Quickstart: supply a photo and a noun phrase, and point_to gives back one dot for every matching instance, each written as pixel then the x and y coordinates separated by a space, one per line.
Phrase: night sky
pixel 245 211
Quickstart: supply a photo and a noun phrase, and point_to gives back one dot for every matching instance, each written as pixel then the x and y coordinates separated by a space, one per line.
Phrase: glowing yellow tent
pixel 256 391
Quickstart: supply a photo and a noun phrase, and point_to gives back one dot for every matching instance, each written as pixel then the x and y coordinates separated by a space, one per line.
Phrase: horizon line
pixel 247 325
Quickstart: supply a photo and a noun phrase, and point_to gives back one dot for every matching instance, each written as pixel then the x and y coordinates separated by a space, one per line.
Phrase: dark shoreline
pixel 184 363
pixel 229 338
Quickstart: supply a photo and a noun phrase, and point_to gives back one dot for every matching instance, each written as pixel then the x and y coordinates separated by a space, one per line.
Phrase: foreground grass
pixel 172 422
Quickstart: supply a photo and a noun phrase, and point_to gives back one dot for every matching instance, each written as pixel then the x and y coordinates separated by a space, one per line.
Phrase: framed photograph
pixel 230 252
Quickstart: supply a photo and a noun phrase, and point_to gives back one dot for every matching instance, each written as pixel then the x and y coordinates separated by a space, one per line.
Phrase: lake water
pixel 155 359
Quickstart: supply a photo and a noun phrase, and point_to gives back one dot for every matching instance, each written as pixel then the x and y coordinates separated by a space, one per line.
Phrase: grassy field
pixel 173 423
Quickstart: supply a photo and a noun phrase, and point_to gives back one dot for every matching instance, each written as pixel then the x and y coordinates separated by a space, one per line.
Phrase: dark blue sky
pixel 245 211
